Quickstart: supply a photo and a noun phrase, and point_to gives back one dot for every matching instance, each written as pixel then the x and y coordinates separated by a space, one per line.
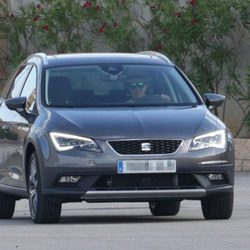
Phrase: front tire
pixel 167 207
pixel 42 209
pixel 218 207
pixel 7 206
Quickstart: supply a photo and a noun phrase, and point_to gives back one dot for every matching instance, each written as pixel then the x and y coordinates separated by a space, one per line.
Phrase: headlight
pixel 215 139
pixel 63 142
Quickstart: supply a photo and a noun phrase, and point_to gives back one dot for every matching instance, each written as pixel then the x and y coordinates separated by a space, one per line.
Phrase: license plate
pixel 146 166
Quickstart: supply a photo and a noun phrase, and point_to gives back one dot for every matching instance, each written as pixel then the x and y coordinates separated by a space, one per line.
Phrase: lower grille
pixel 137 147
pixel 145 182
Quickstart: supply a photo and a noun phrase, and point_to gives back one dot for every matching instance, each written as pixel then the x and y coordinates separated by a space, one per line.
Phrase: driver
pixel 137 86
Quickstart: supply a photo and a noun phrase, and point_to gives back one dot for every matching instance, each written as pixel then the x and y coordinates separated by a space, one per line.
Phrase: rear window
pixel 107 85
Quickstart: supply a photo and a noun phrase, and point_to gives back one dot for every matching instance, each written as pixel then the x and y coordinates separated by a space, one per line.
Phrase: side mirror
pixel 17 104
pixel 213 100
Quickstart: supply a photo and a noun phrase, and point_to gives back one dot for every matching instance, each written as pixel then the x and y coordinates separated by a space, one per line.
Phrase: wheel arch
pixel 32 145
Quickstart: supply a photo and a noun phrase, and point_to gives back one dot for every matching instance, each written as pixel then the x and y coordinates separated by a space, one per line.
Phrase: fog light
pixel 69 179
pixel 215 177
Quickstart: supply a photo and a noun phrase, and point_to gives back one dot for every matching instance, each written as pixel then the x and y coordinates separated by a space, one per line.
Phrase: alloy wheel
pixel 33 186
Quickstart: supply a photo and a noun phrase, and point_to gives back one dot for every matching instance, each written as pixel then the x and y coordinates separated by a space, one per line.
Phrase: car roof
pixel 97 58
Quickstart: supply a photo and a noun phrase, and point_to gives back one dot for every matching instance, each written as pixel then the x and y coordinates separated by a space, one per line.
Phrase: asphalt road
pixel 131 226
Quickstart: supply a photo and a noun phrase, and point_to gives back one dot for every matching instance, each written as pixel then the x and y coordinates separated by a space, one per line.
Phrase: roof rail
pixel 157 54
pixel 41 55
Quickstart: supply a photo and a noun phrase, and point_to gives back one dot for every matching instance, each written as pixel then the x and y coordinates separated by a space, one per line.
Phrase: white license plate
pixel 146 166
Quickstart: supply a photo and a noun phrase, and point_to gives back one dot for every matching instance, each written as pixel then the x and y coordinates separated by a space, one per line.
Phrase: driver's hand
pixel 165 97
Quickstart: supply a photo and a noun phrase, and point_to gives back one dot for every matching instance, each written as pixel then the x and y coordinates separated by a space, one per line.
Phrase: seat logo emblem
pixel 145 146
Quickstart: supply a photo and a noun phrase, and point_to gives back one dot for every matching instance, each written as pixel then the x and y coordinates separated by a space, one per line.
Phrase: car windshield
pixel 111 85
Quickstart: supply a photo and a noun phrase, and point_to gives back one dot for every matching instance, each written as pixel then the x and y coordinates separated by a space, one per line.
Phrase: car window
pixel 29 89
pixel 117 85
pixel 17 83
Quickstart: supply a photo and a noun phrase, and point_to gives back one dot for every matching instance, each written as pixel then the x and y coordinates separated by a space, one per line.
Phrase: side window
pixel 29 90
pixel 17 83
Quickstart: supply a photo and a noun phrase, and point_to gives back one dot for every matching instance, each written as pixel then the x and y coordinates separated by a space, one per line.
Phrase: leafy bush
pixel 63 26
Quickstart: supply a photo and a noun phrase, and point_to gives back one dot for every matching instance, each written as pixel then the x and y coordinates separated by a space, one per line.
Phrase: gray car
pixel 111 127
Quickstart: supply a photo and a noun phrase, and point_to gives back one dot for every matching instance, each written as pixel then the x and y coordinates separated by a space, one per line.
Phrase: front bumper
pixel 112 187
pixel 100 180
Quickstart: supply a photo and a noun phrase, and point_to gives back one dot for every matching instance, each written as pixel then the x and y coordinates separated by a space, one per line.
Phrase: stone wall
pixel 242 154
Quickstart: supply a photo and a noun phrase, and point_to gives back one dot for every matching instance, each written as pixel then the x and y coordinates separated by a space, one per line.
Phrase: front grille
pixel 135 147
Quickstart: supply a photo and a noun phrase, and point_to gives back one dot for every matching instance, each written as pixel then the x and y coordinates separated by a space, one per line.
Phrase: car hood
pixel 134 123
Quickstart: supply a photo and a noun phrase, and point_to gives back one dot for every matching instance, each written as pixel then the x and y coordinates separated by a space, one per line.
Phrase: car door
pixel 14 129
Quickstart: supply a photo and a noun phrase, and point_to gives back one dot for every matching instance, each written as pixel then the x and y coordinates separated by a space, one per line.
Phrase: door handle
pixel 6 128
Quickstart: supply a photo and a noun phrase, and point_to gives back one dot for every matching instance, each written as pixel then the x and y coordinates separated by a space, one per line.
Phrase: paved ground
pixel 131 226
